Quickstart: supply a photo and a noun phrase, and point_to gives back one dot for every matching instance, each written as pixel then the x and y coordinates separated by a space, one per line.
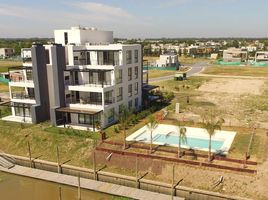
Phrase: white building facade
pixel 82 80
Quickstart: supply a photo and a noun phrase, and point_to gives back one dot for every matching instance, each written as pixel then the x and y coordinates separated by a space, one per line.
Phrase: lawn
pixel 160 73
pixel 3 87
pixel 74 145
pixel 5 64
pixel 237 71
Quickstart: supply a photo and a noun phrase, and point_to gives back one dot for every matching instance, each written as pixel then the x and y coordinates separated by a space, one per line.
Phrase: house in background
pixel 168 60
pixel 82 80
pixel 261 56
pixel 6 52
pixel 235 55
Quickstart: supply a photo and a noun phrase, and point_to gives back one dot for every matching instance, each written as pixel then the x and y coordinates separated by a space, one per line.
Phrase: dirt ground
pixel 239 100
pixel 235 184
pixel 234 86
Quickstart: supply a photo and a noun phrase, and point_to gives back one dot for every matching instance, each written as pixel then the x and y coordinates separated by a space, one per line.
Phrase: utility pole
pixel 172 182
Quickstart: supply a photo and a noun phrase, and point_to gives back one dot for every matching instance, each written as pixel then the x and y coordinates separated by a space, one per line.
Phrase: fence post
pixel 79 187
pixel 94 166
pixel 30 153
pixel 58 160
pixel 137 174
pixel 172 183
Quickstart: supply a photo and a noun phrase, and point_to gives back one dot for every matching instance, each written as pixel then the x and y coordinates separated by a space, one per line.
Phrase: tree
pixel 182 137
pixel 151 125
pixel 211 123
pixel 124 118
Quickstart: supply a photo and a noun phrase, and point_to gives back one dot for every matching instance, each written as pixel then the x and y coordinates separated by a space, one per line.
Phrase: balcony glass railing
pixel 86 101
pixel 83 61
pixel 18 95
pixel 89 83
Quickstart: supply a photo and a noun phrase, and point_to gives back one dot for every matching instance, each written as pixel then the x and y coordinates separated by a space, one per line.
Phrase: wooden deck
pixel 93 185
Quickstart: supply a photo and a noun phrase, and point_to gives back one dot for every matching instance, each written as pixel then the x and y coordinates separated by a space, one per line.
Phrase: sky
pixel 136 18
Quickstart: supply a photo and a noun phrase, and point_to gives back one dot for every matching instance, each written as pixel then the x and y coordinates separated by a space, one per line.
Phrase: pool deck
pixel 88 184
pixel 226 136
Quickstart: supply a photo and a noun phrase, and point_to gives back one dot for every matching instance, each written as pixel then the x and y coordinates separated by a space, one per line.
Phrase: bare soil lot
pixel 234 86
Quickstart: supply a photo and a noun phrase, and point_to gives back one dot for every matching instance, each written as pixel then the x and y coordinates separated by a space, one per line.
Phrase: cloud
pixel 103 9
pixel 13 11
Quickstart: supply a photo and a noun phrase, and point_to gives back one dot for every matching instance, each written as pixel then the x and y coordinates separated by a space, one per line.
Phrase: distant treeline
pixel 17 44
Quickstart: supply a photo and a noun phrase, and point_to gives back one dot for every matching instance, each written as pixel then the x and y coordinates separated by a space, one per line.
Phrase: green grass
pixel 4 87
pixel 160 73
pixel 237 71
pixel 5 64
pixel 44 139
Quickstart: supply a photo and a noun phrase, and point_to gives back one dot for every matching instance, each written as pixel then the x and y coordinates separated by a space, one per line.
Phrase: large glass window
pixel 129 56
pixel 130 105
pixel 136 72
pixel 129 90
pixel 136 88
pixel 108 97
pixel 119 76
pixel 136 56
pixel 129 73
pixel 22 110
pixel 119 94
pixel 85 119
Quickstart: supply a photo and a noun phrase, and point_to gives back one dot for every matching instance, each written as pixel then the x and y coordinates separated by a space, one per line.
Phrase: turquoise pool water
pixel 191 142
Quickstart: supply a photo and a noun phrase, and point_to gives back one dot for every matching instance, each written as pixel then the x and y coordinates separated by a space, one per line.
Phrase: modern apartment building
pixel 81 80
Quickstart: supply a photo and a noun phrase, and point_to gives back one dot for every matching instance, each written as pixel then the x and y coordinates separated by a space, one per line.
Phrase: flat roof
pixel 78 111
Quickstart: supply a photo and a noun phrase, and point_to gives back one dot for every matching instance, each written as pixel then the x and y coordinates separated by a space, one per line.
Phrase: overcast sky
pixel 137 18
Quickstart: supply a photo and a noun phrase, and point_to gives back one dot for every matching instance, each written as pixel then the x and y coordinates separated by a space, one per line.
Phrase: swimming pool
pixel 197 138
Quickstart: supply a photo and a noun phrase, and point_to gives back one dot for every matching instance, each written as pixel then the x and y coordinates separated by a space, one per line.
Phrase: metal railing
pixel 83 61
pixel 85 101
pixel 89 83
pixel 18 95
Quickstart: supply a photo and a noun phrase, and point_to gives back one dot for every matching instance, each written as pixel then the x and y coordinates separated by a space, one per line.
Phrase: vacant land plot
pixel 237 71
pixel 5 64
pixel 233 86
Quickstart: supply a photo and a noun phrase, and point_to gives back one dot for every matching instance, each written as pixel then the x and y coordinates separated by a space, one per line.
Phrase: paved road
pixel 196 68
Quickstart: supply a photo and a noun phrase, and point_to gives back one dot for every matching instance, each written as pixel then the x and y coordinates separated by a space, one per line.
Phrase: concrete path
pixel 93 185
pixel 195 69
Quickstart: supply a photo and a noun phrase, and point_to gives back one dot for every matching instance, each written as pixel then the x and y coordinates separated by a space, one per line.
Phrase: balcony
pixel 22 97
pixel 84 61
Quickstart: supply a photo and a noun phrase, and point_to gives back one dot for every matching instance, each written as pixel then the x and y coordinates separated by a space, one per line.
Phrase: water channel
pixel 13 187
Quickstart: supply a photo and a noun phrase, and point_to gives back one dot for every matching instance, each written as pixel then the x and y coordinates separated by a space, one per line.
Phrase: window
pixel 65 38
pixel 119 94
pixel 85 119
pixel 130 104
pixel 136 72
pixel 119 76
pixel 108 97
pixel 136 56
pixel 136 89
pixel 129 90
pixel 136 103
pixel 129 58
pixel 111 115
pixel 129 72
pixel 47 57
pixel 22 110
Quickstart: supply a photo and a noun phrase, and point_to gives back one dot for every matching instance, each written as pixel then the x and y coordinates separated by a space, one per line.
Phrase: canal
pixel 13 187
